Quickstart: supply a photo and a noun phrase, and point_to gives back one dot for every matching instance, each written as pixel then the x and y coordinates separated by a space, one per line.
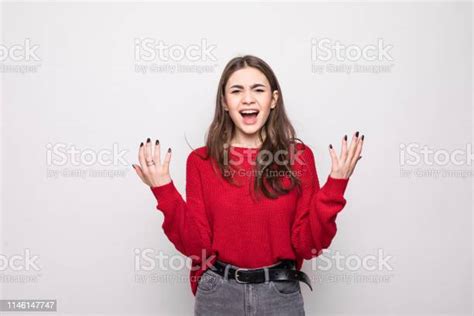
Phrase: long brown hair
pixel 278 131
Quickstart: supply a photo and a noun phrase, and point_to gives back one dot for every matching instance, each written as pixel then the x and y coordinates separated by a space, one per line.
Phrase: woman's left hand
pixel 343 166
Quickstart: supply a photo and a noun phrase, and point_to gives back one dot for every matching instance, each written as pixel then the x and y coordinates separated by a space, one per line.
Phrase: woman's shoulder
pixel 303 156
pixel 199 150
pixel 198 154
pixel 303 149
pixel 300 145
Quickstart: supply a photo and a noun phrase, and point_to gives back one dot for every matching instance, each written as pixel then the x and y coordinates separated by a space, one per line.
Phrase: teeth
pixel 248 111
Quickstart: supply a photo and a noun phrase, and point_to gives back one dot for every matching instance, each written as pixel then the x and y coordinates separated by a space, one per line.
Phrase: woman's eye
pixel 260 90
pixel 234 92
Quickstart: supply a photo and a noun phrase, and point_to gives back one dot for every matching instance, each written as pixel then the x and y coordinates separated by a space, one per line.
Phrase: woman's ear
pixel 224 105
pixel 274 99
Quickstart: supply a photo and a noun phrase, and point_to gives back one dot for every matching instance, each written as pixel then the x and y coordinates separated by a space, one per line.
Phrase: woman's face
pixel 249 100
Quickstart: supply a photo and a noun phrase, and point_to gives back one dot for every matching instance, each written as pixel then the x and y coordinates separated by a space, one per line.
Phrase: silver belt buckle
pixel 237 275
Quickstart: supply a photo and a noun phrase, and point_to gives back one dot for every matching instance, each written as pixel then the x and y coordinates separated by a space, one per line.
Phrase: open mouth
pixel 249 116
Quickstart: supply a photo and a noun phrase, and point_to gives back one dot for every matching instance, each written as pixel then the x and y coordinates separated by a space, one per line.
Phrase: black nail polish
pixel 141 144
pixel 345 137
pixel 157 142
pixel 148 140
pixel 362 137
pixel 357 134
pixel 133 166
pixel 169 150
pixel 330 146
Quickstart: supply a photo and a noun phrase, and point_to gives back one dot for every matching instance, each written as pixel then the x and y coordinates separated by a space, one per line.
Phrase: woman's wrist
pixel 161 182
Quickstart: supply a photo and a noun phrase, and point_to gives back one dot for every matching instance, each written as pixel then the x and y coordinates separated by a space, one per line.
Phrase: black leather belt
pixel 279 272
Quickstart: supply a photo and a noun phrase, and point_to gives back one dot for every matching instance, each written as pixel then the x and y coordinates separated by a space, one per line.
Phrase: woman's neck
pixel 246 141
pixel 246 144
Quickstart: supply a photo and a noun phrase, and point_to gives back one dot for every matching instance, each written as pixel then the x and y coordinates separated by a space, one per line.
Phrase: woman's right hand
pixel 152 172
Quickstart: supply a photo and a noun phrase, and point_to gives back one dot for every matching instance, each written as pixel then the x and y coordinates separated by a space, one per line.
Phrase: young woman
pixel 254 208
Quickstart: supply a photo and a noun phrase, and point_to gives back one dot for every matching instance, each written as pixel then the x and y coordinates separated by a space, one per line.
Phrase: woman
pixel 254 208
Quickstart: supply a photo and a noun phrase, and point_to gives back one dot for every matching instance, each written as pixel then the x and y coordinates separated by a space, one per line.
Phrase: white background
pixel 87 94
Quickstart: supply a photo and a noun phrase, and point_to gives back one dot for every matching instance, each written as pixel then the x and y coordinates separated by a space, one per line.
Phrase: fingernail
pixel 141 144
pixel 345 137
pixel 362 137
pixel 357 134
pixel 330 146
pixel 148 140
pixel 169 150
pixel 157 142
pixel 133 166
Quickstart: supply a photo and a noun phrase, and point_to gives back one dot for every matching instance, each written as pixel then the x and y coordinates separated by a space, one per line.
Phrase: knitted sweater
pixel 222 221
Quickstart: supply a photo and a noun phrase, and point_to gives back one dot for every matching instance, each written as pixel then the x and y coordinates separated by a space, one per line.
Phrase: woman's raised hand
pixel 343 166
pixel 151 170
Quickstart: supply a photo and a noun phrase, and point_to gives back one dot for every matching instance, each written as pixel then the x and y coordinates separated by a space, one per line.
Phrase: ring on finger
pixel 150 163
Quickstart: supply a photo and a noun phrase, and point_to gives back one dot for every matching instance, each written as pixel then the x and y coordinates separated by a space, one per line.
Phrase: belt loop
pixel 226 272
pixel 267 275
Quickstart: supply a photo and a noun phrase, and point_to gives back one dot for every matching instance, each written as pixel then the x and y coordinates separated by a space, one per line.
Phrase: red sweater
pixel 222 221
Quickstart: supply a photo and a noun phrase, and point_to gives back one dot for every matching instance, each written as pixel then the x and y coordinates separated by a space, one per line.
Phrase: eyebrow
pixel 252 86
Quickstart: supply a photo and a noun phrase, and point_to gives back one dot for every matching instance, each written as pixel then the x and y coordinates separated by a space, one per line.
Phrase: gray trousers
pixel 218 295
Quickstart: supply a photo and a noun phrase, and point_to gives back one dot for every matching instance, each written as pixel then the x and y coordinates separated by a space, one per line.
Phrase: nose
pixel 248 97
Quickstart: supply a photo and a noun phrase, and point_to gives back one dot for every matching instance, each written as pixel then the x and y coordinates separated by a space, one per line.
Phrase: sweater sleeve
pixel 185 222
pixel 314 226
